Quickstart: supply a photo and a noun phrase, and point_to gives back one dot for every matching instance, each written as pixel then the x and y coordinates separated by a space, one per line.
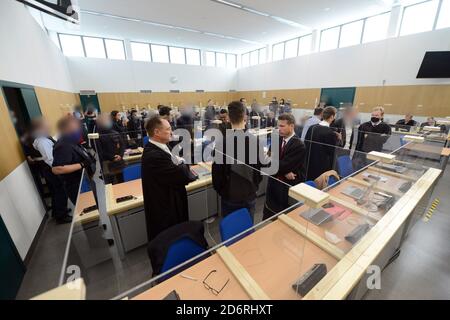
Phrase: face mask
pixel 375 119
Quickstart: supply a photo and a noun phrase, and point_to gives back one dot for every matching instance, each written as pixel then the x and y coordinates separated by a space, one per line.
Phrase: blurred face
pixel 285 128
pixel 163 133
pixel 408 117
pixel 430 120
pixel 72 127
pixel 44 128
pixel 210 103
pixel 117 117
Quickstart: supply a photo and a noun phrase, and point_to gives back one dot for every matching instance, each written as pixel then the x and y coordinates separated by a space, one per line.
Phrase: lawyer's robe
pixel 320 144
pixel 164 187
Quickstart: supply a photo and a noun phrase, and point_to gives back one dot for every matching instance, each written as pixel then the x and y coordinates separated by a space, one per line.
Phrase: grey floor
pixel 422 271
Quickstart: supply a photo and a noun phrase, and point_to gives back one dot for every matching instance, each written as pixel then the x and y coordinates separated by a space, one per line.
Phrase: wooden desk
pixel 133 188
pixel 275 256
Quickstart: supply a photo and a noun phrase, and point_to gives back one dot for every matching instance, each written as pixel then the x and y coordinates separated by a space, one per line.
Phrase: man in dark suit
pixel 321 143
pixel 164 180
pixel 291 167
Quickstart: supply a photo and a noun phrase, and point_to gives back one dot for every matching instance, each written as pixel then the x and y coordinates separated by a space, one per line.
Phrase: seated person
pixel 406 123
pixel 429 123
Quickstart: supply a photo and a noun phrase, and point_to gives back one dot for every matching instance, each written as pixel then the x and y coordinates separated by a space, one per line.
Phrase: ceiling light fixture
pixel 256 12
pixel 228 3
pixel 168 26
pixel 264 14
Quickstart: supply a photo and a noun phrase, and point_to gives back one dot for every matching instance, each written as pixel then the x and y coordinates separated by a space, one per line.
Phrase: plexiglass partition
pixel 276 242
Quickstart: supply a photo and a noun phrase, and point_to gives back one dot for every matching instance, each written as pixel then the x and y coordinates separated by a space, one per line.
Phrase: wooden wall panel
pixel 117 101
pixel 429 100
pixel 55 104
pixel 301 98
pixel 420 100
pixel 11 154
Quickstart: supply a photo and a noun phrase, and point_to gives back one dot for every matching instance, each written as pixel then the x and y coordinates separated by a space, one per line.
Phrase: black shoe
pixel 64 219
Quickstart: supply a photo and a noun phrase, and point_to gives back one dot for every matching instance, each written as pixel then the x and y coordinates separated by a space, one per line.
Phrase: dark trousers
pixel 277 198
pixel 58 193
pixel 72 191
pixel 229 207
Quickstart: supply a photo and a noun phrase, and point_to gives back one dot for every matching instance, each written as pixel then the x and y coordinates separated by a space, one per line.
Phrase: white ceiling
pixel 248 30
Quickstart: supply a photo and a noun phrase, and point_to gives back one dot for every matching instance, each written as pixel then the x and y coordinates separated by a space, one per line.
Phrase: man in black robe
pixel 321 141
pixel 291 167
pixel 373 134
pixel 164 180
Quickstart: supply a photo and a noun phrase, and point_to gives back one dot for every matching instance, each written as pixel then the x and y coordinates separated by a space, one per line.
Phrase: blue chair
pixel 145 141
pixel 311 184
pixel 344 166
pixel 234 224
pixel 132 172
pixel 180 251
pixel 332 180
pixel 85 185
pixel 403 141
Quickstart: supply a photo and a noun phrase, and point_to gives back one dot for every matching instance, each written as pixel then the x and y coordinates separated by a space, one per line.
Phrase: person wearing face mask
pixel 43 143
pixel 110 149
pixel 70 157
pixel 321 141
pixel 373 134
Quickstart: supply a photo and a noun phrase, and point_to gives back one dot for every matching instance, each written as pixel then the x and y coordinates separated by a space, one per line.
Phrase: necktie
pixel 283 146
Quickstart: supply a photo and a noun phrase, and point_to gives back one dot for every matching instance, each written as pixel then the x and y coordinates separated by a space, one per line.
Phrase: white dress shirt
pixel 309 123
pixel 176 159
pixel 45 147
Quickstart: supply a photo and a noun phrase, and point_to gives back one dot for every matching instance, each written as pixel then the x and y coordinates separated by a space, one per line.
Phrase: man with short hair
pixel 291 167
pixel 321 143
pixel 164 180
pixel 70 157
pixel 345 127
pixel 315 119
pixel 236 182
pixel 407 122
pixel 373 134
pixel 44 143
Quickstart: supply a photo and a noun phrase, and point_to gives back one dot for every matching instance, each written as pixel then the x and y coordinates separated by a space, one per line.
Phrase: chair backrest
pixel 311 184
pixel 180 251
pixel 332 180
pixel 85 185
pixel 403 141
pixel 132 172
pixel 145 141
pixel 234 224
pixel 344 166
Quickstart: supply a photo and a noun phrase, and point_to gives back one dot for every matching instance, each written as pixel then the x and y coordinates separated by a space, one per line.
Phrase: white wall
pixel 132 76
pixel 394 61
pixel 27 56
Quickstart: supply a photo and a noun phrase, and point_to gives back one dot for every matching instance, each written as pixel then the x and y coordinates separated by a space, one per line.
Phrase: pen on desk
pixel 187 277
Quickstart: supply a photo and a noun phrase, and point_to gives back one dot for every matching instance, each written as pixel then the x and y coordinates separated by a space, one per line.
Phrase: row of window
pixel 421 17
pixel 92 47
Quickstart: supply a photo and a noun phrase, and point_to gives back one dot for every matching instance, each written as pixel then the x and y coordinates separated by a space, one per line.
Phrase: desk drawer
pixel 133 229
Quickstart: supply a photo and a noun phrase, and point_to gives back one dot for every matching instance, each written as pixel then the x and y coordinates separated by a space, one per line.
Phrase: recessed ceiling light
pixel 229 3
pixel 327 9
